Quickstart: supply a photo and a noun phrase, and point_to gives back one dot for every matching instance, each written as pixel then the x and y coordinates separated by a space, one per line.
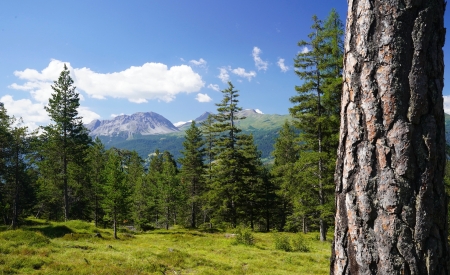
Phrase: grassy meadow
pixel 73 248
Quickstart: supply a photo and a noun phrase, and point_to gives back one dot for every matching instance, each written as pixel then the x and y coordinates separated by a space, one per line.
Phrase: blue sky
pixel 169 57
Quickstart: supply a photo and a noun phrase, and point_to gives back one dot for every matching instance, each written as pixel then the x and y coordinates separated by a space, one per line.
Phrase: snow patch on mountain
pixel 259 111
pixel 177 124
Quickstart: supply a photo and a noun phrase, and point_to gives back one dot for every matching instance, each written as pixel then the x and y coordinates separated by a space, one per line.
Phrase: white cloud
pixel 39 83
pixel 137 83
pixel 201 62
pixel 203 98
pixel 33 114
pixel 282 66
pixel 446 104
pixel 242 73
pixel 215 87
pixel 259 111
pixel 259 63
pixel 305 50
pixel 87 114
pixel 223 75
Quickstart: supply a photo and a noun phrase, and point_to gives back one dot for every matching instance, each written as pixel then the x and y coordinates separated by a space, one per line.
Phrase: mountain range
pixel 147 131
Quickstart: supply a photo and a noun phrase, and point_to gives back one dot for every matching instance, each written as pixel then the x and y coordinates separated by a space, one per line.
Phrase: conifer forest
pixel 60 173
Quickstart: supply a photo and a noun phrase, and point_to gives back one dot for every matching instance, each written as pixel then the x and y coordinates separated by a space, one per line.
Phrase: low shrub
pixel 244 236
pixel 282 242
pixel 296 243
pixel 299 243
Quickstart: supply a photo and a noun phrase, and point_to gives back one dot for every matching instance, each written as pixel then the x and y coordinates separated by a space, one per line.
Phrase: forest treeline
pixel 59 173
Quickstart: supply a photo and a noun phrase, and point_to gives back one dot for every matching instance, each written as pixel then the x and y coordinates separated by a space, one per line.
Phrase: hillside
pixel 264 128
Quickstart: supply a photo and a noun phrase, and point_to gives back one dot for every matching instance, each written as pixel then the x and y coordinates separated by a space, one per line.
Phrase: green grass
pixel 36 249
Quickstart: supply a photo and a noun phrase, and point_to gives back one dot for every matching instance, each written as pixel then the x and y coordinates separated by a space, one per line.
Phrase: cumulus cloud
pixel 203 98
pixel 141 83
pixel 137 83
pixel 201 62
pixel 38 84
pixel 305 50
pixel 214 87
pixel 33 114
pixel 259 63
pixel 282 66
pixel 87 115
pixel 223 75
pixel 447 104
pixel 242 73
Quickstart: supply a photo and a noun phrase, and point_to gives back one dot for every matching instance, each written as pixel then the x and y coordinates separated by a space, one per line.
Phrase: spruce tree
pixel 210 137
pixel 286 153
pixel 316 102
pixel 96 157
pixel 192 170
pixel 116 200
pixel 227 166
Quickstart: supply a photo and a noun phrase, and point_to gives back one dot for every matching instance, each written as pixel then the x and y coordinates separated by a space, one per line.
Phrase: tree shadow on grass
pixel 51 231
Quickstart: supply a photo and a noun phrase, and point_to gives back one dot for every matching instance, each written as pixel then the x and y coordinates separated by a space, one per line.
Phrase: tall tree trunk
pixel 390 199
pixel 193 216
pixel 115 224
pixel 16 191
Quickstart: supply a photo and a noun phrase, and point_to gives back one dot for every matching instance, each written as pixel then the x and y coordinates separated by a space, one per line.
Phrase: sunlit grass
pixel 40 248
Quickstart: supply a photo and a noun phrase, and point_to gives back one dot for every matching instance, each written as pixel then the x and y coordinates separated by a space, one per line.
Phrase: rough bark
pixel 390 199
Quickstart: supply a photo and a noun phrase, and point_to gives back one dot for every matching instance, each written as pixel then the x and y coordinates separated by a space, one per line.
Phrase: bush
pixel 282 242
pixel 299 243
pixel 244 236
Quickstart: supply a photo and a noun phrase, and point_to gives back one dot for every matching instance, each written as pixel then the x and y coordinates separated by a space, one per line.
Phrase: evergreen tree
pixel 317 102
pixel 227 166
pixel 116 201
pixel 252 186
pixel 192 170
pixel 286 153
pixel 96 158
pixel 18 180
pixel 210 137
pixel 5 138
pixel 67 140
pixel 135 176
pixel 390 197
pixel 170 195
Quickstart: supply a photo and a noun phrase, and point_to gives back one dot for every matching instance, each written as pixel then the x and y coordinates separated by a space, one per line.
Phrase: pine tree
pixel 67 139
pixel 390 196
pixel 192 170
pixel 316 101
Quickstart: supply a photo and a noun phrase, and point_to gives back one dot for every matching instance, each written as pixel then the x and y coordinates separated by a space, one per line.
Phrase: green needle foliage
pixel 116 201
pixel 192 170
pixel 316 113
pixel 64 145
